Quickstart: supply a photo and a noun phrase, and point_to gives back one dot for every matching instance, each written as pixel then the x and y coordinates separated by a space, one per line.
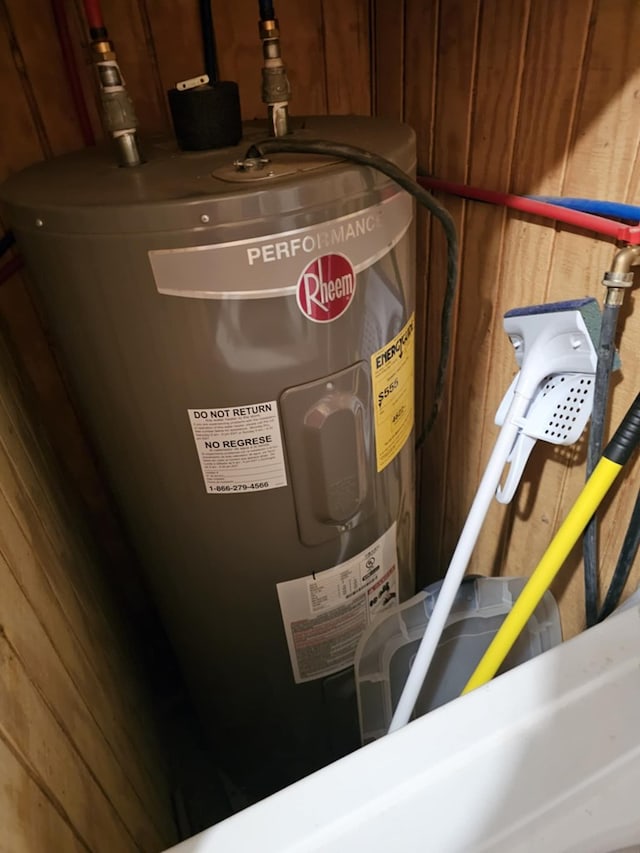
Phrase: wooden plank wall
pixel 531 97
pixel 81 763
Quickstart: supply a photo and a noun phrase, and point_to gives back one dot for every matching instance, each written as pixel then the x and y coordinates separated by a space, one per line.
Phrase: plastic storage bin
pixel 387 649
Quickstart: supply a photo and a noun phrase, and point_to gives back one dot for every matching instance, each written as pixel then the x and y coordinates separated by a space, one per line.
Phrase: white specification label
pixel 325 614
pixel 240 448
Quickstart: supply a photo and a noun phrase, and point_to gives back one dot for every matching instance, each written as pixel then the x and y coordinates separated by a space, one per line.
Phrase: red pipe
pixel 71 69
pixel 600 225
pixel 10 268
pixel 93 12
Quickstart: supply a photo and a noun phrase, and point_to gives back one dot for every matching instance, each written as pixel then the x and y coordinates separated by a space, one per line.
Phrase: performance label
pixel 270 266
pixel 392 370
pixel 239 448
pixel 326 613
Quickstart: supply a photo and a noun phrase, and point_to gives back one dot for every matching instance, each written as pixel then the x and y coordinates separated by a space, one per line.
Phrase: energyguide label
pixel 392 369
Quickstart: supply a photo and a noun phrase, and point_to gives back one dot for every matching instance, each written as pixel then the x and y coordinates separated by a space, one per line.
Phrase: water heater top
pixel 86 192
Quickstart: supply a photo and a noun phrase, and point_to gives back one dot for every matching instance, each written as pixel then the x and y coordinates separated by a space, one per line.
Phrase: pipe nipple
pixel 276 89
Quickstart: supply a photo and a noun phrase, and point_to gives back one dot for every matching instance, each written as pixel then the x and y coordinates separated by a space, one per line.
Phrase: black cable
pixel 366 158
pixel 209 41
pixel 267 12
pixel 606 354
pixel 625 562
pixel 619 450
pixel 6 242
pixel 622 445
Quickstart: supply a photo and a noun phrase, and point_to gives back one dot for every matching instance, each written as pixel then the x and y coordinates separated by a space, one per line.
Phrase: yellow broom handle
pixel 586 504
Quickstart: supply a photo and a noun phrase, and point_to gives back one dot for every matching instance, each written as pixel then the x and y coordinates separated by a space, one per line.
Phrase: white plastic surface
pixel 558 414
pixel 545 757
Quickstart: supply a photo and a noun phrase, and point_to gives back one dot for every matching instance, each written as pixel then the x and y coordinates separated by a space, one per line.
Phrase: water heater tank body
pixel 240 347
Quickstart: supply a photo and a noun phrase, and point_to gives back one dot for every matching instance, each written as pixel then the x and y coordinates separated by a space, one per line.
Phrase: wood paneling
pixel 389 54
pixel 85 762
pixel 529 97
pixel 346 39
pixel 457 26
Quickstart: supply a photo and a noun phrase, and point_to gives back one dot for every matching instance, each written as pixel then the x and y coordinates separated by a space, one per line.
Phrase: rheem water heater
pixel 240 342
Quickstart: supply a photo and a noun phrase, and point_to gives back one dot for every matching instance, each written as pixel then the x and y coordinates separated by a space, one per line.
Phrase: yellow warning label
pixel 392 378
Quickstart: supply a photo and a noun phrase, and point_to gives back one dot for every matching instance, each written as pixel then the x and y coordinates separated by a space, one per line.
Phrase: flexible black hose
pixel 423 197
pixel 267 12
pixel 209 41
pixel 606 354
pixel 625 562
pixel 624 442
pixel 6 242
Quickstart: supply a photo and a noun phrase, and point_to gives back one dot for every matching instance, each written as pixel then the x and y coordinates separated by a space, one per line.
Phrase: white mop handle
pixel 459 562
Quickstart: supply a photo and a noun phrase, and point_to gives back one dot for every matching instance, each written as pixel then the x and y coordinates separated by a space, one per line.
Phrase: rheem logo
pixel 326 287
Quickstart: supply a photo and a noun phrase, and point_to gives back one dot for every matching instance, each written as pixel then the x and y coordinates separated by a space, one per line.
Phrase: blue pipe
pixel 612 209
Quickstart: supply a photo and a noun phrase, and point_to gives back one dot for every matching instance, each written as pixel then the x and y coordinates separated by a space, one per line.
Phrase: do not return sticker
pixel 239 447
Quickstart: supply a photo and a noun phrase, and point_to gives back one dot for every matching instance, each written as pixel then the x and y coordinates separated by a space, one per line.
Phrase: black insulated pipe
pixel 625 562
pixel 209 42
pixel 619 450
pixel 267 12
pixel 627 437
